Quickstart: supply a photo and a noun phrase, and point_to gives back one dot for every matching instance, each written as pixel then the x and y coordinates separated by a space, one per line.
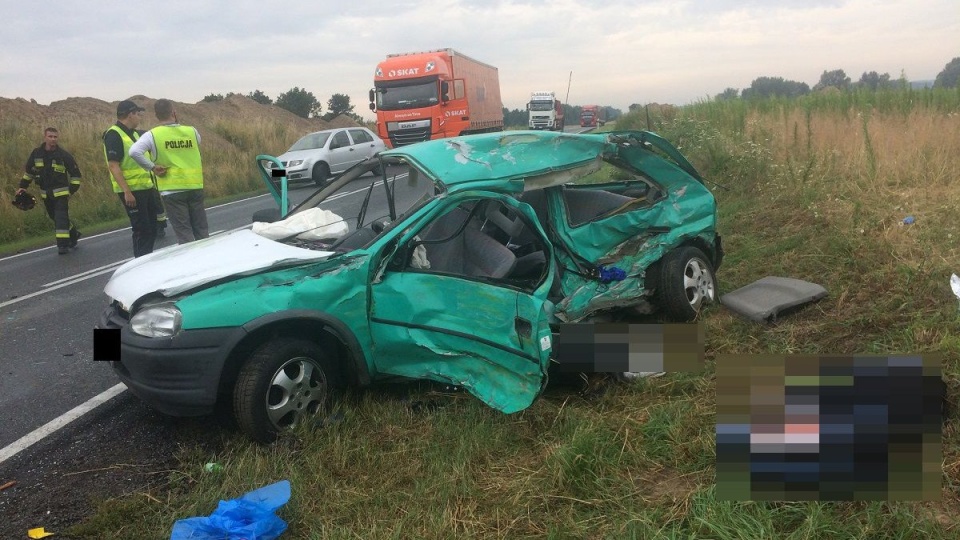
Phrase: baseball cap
pixel 126 107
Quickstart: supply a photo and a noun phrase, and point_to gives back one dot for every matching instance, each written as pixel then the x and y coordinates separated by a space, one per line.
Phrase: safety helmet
pixel 24 201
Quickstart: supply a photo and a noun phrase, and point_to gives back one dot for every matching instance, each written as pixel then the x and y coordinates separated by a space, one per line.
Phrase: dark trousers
pixel 58 208
pixel 187 215
pixel 143 220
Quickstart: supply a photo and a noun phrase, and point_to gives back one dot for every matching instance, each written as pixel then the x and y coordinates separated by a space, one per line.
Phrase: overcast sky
pixel 620 51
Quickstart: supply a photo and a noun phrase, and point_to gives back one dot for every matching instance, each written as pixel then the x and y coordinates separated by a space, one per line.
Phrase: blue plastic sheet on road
pixel 250 517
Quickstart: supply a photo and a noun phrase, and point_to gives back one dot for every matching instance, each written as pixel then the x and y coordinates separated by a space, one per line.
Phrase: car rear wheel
pixel 283 382
pixel 321 173
pixel 686 283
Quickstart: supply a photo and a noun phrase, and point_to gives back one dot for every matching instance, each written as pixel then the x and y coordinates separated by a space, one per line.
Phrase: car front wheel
pixel 321 172
pixel 686 283
pixel 283 382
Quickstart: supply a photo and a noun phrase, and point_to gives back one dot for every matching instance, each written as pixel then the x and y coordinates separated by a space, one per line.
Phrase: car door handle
pixel 523 327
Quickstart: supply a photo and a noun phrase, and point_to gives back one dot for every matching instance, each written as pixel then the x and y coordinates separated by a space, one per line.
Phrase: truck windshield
pixel 541 105
pixel 411 96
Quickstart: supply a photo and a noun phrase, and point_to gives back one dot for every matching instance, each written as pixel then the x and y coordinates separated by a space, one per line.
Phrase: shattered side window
pixel 609 191
pixel 482 240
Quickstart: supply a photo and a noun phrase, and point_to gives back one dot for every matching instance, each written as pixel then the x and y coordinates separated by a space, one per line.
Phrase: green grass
pixel 812 191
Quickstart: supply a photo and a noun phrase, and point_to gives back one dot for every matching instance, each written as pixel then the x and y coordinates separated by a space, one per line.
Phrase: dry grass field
pixel 815 188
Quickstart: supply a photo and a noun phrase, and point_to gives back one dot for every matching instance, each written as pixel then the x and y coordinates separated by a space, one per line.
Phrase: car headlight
pixel 160 320
pixel 294 163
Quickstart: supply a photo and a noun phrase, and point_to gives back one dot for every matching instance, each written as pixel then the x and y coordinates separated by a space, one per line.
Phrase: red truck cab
pixel 433 95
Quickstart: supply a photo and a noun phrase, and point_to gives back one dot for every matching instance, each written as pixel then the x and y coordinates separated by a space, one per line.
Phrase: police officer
pixel 133 185
pixel 175 150
pixel 58 176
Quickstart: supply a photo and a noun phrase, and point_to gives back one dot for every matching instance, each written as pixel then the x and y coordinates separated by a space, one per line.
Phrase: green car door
pixel 454 304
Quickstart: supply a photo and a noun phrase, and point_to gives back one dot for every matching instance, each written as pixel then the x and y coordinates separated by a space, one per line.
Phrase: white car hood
pixel 179 268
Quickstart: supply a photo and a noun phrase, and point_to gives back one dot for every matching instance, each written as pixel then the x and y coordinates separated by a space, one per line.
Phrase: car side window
pixel 360 136
pixel 340 140
pixel 474 240
pixel 608 192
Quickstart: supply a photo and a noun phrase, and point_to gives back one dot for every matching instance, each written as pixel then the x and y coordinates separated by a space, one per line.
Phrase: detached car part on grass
pixel 481 248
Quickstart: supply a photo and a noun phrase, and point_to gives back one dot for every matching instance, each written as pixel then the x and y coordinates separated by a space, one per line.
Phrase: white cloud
pixel 620 52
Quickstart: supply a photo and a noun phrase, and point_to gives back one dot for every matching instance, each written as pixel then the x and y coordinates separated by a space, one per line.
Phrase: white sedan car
pixel 320 155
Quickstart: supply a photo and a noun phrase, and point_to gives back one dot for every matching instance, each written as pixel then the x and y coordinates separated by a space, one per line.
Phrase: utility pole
pixel 566 100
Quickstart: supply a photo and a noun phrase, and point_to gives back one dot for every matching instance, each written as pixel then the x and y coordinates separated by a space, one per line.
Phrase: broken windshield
pixel 357 207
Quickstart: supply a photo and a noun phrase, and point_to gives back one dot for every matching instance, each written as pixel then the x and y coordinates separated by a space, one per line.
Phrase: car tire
pixel 378 171
pixel 283 382
pixel 321 173
pixel 685 283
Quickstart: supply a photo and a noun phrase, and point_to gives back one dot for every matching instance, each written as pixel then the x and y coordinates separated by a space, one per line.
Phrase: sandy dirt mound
pixel 32 117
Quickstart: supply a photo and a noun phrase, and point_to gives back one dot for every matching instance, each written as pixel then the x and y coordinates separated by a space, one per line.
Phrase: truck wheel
pixel 321 172
pixel 685 283
pixel 284 381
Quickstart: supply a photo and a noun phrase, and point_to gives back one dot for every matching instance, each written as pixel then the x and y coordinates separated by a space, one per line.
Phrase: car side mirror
pixel 372 96
pixel 373 106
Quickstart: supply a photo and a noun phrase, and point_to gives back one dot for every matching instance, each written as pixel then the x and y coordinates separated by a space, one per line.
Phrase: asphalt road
pixel 51 304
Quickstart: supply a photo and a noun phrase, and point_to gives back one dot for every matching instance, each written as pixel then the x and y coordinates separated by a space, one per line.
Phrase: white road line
pixel 88 238
pixel 55 287
pixel 75 276
pixel 52 426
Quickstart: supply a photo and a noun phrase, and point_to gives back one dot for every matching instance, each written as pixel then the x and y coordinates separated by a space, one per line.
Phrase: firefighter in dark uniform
pixel 58 176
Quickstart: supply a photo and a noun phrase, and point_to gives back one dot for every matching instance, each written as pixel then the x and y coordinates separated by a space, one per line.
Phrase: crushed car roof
pixel 527 157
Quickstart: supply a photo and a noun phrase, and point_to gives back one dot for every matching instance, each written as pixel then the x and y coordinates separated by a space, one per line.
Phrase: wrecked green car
pixel 457 263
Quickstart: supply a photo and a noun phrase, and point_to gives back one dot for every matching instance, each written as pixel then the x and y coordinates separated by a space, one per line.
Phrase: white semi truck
pixel 546 111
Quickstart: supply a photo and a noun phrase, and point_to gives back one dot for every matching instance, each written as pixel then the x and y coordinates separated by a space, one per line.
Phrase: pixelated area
pixel 829 428
pixel 106 344
pixel 623 347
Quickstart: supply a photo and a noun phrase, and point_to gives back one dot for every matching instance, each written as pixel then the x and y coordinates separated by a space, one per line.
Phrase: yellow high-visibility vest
pixel 137 178
pixel 179 151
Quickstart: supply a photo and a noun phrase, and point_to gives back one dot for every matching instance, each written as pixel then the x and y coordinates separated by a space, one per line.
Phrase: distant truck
pixel 592 115
pixel 546 111
pixel 434 94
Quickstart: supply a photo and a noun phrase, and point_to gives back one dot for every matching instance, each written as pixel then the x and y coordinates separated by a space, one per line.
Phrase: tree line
pixel 762 87
pixel 300 102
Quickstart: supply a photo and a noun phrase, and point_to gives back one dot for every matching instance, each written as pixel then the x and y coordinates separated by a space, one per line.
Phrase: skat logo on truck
pixel 402 72
pixel 461 112
pixel 183 143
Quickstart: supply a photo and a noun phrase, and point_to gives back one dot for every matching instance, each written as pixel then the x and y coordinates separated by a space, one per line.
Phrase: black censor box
pixel 278 173
pixel 106 344
pixel 623 347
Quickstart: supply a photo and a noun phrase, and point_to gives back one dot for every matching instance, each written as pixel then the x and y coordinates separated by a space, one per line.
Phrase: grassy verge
pixel 813 189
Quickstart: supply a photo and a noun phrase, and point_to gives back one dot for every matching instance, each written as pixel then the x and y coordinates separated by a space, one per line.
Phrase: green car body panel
pixel 491 338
